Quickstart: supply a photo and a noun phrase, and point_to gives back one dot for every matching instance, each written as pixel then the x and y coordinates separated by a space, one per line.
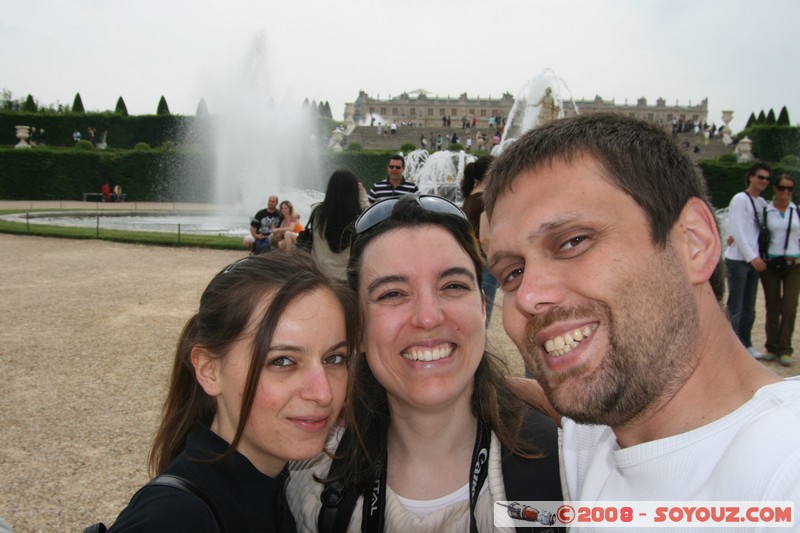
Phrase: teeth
pixel 558 346
pixel 428 355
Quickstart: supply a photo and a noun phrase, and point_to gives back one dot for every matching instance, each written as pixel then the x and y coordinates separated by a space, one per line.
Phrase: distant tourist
pixel 261 226
pixel 395 184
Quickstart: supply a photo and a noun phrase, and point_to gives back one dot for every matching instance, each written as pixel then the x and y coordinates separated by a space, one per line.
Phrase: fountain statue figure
pixel 540 100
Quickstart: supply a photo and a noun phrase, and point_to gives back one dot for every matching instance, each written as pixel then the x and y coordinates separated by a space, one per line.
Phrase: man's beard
pixel 650 350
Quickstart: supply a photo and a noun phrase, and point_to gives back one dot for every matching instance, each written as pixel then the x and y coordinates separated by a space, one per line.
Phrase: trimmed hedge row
pixel 123 131
pixel 53 174
pixel 179 174
pixel 772 143
pixel 185 174
pixel 725 180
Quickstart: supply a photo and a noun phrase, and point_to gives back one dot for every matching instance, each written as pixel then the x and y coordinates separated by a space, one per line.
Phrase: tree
pixel 762 118
pixel 202 108
pixel 121 108
pixel 324 110
pixel 77 104
pixel 30 105
pixel 751 120
pixel 783 117
pixel 771 118
pixel 163 108
pixel 9 104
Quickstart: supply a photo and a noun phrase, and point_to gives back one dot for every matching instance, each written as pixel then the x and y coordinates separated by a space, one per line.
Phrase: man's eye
pixel 512 279
pixel 573 242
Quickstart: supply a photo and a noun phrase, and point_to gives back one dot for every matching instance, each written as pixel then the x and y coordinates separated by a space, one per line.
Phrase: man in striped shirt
pixel 395 184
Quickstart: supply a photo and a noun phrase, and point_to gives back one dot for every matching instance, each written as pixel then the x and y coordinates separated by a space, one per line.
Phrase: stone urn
pixel 727 116
pixel 744 150
pixel 23 134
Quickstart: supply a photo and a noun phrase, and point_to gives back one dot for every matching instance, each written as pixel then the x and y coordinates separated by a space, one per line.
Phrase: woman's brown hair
pixel 226 308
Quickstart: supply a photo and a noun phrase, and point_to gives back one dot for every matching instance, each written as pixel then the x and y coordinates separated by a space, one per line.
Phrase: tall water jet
pixel 540 100
pixel 263 145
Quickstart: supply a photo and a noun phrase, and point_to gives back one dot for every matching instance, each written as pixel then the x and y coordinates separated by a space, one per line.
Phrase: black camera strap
pixel 759 223
pixel 373 519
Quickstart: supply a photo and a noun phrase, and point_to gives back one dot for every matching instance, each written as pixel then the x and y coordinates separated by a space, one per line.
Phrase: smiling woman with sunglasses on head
pixel 781 287
pixel 251 389
pixel 434 435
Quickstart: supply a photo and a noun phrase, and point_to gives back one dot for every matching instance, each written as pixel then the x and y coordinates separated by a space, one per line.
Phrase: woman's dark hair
pixel 335 216
pixel 473 173
pixel 367 411
pixel 226 309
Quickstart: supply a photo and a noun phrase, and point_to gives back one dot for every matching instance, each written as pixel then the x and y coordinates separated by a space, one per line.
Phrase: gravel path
pixel 86 343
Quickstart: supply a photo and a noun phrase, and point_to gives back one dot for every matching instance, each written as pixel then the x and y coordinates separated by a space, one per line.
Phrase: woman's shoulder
pixel 537 477
pixel 160 508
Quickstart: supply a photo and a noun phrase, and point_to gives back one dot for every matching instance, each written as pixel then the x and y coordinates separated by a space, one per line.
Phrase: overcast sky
pixel 741 55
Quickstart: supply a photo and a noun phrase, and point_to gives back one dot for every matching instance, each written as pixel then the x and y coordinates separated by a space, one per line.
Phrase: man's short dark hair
pixel 638 157
pixel 755 167
pixel 397 157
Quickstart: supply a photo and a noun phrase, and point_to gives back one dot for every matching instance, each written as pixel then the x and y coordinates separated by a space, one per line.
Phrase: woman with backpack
pixel 250 391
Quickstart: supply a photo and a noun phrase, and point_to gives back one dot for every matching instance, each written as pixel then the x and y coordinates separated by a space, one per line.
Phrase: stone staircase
pixel 368 138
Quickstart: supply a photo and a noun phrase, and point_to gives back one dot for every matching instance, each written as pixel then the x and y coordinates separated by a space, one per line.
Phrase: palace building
pixel 422 108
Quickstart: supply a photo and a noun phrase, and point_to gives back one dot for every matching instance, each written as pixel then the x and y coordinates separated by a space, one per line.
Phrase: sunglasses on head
pixel 783 188
pixel 380 211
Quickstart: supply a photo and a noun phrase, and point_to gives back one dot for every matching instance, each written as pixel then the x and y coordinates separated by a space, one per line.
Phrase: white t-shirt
pixel 751 454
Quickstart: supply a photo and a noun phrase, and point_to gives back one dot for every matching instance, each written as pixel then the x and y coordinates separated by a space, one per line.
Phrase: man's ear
pixel 699 239
pixel 206 370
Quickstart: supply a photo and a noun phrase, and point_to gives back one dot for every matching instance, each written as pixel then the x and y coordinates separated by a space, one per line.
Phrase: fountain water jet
pixel 438 173
pixel 263 146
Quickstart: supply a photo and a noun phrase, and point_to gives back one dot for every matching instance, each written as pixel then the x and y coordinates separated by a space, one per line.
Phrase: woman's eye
pixel 281 361
pixel 389 295
pixel 457 286
pixel 335 359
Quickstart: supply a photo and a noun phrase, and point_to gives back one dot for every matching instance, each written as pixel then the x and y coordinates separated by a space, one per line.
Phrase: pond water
pixel 194 223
